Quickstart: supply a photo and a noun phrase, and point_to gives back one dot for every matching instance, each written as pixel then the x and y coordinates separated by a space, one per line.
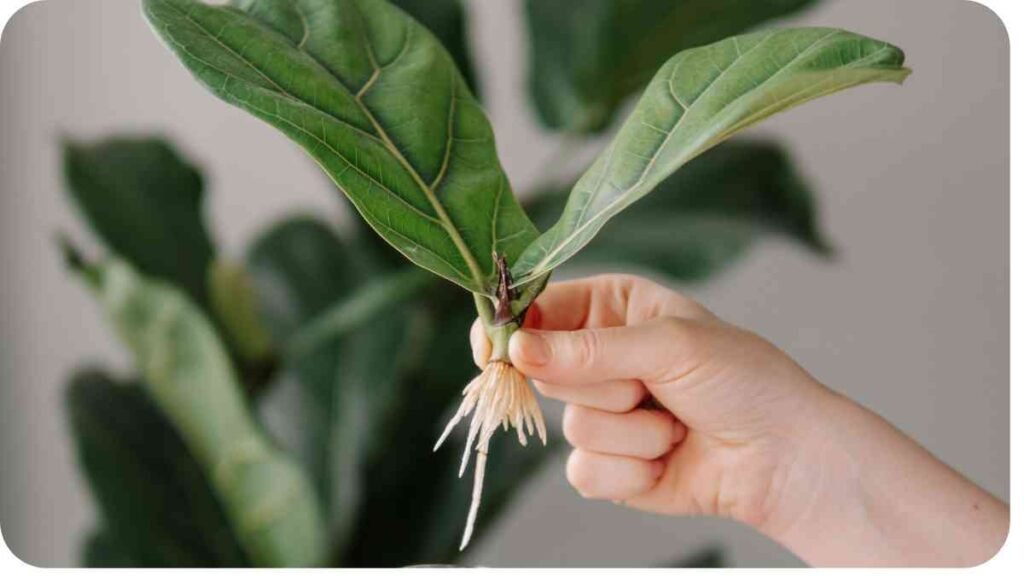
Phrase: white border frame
pixel 1009 560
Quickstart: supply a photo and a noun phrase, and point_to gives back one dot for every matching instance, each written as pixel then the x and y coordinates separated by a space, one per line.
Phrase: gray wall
pixel 912 320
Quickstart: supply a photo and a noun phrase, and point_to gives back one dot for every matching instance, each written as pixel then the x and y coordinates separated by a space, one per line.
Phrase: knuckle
pixel 681 331
pixel 587 345
pixel 686 342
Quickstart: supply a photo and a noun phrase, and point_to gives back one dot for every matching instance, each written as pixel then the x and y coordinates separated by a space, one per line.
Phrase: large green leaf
pixel 588 56
pixel 188 374
pixel 380 105
pixel 158 508
pixel 698 99
pixel 703 216
pixel 145 201
pixel 446 19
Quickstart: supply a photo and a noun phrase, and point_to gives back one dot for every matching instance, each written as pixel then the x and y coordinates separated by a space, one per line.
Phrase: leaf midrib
pixel 428 191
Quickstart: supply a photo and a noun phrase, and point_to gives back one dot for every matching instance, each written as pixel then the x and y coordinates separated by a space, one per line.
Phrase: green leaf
pixel 100 550
pixel 353 312
pixel 414 498
pixel 446 19
pixel 299 268
pixel 380 105
pixel 234 301
pixel 705 215
pixel 157 507
pixel 188 374
pixel 145 202
pixel 309 283
pixel 698 99
pixel 588 56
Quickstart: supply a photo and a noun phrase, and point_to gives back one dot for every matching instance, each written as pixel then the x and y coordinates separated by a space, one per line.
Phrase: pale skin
pixel 739 430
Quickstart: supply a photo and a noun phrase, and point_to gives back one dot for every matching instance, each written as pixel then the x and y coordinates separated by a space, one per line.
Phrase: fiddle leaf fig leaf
pixel 380 105
pixel 157 506
pixel 188 374
pixel 144 200
pixel 446 19
pixel 580 69
pixel 704 216
pixel 699 98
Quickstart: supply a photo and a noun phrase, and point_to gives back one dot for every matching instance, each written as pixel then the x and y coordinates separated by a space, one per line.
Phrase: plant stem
pixel 498 335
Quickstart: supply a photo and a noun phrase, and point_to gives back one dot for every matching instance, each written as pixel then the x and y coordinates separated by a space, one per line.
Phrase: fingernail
pixel 531 347
pixel 678 432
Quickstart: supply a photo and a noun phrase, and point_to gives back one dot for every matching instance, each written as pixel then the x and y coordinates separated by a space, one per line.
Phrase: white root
pixel 500 397
pixel 474 506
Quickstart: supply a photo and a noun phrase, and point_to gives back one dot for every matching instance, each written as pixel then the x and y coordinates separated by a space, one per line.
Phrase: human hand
pixel 734 405
pixel 738 430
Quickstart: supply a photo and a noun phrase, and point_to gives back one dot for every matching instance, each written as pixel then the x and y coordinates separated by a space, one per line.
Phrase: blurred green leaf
pixel 447 20
pixel 234 301
pixel 344 330
pixel 510 469
pixel 705 215
pixel 700 98
pixel 588 56
pixel 405 474
pixel 145 202
pixel 299 268
pixel 157 507
pixel 100 550
pixel 353 312
pixel 402 471
pixel 188 374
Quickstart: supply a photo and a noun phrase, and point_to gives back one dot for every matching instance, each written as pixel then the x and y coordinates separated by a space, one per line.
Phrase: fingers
pixel 643 352
pixel 646 434
pixel 607 477
pixel 615 396
pixel 606 301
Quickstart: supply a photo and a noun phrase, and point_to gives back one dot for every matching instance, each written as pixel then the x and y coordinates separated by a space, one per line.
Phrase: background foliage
pixel 295 309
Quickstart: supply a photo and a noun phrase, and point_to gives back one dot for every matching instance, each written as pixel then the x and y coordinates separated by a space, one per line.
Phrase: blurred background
pixel 911 318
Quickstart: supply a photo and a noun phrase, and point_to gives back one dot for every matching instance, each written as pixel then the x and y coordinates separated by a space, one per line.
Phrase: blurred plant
pixel 178 457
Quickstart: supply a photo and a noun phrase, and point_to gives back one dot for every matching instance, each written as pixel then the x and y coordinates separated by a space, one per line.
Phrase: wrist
pixel 816 487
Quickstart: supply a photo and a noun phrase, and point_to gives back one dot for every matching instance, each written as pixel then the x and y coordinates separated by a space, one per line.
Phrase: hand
pixel 742 431
pixel 734 404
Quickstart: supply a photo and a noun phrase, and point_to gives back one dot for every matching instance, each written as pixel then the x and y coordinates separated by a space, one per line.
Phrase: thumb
pixel 648 352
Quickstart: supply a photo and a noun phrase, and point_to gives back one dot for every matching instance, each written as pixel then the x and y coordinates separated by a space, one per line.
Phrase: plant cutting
pixel 382 107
